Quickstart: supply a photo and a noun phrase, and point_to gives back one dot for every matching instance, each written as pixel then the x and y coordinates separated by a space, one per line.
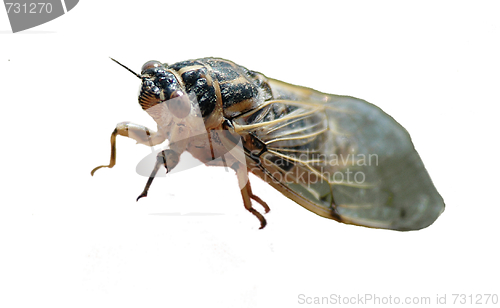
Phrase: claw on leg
pixel 259 200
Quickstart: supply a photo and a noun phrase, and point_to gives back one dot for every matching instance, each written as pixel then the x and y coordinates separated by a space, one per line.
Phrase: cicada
pixel 338 156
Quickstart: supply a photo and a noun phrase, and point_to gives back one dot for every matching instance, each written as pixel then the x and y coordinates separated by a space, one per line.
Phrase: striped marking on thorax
pixel 241 79
pixel 216 117
pixel 189 68
pixel 178 77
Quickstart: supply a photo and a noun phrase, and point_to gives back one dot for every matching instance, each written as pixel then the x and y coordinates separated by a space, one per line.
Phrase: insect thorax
pixel 222 87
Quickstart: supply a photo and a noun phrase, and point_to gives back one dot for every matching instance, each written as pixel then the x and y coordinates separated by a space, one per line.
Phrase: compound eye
pixel 179 104
pixel 150 64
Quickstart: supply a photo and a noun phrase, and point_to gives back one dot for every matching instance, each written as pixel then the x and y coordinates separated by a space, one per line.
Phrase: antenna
pixel 138 76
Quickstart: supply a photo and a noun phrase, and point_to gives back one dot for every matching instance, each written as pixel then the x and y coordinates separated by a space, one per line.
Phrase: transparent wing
pixel 340 157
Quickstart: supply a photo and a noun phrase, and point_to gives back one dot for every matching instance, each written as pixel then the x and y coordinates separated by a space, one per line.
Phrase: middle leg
pixel 169 158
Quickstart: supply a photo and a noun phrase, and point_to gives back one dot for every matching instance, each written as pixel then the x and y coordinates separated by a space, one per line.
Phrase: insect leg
pixel 170 159
pixel 247 195
pixel 139 133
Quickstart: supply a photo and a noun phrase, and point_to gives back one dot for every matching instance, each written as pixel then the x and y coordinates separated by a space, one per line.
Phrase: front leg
pixel 139 133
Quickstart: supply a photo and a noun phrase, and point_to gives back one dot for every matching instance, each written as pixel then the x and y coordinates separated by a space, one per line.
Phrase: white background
pixel 71 240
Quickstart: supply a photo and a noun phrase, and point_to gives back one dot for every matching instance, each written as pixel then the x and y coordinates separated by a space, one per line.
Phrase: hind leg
pixel 247 195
